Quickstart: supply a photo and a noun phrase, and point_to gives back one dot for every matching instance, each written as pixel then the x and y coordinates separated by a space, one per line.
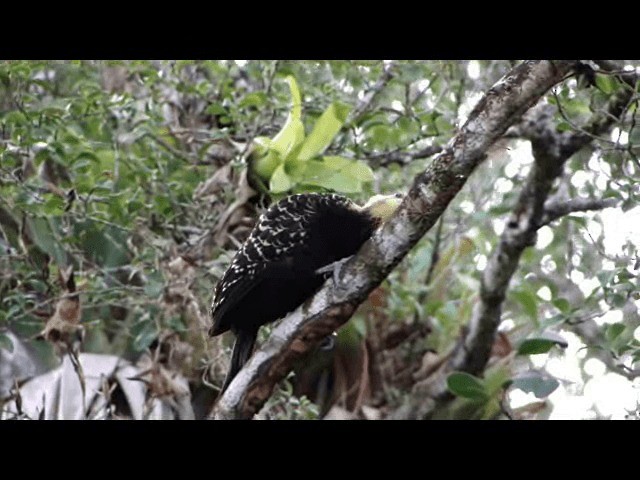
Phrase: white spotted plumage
pixel 279 230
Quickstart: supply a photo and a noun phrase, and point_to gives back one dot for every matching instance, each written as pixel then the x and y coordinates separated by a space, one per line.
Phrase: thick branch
pixel 428 197
pixel 551 150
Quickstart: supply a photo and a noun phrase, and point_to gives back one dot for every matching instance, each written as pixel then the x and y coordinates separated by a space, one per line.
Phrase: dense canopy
pixel 126 188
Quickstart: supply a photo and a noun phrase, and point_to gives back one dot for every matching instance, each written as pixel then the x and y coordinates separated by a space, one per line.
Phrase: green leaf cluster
pixel 292 161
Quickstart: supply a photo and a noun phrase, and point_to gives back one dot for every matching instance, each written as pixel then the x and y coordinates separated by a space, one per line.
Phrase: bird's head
pixel 381 207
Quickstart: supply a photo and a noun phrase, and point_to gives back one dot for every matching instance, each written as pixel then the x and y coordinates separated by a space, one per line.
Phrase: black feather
pixel 275 269
pixel 242 349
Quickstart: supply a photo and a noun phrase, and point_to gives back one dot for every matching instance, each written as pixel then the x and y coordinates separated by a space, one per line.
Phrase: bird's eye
pixel 398 195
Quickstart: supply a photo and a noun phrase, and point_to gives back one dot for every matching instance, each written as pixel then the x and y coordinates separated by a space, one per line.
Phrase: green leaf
pixel 467 386
pixel 144 333
pixel 54 206
pixel 605 277
pixel 6 343
pixel 154 286
pixel 261 145
pixel 529 302
pixel 353 168
pixel 320 174
pixel 554 320
pixel 606 83
pixel 325 129
pixel 533 382
pixel 562 304
pixel 254 99
pixel 265 166
pixel 542 344
pixel 618 300
pixel 292 133
pixel 613 331
pixel 296 99
pixel 216 109
pixel 280 181
pixel 579 220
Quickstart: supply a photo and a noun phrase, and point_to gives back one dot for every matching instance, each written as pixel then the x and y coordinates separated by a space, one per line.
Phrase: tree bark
pixel 427 199
pixel 533 209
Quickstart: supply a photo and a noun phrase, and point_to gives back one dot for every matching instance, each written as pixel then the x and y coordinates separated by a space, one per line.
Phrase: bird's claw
pixel 328 343
pixel 334 267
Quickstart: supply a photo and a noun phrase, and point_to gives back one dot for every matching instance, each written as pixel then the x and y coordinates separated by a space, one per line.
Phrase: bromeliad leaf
pixel 325 129
pixel 266 165
pixel 292 133
pixel 280 181
pixel 262 145
pixel 296 109
pixel 353 168
pixel 320 174
pixel 289 161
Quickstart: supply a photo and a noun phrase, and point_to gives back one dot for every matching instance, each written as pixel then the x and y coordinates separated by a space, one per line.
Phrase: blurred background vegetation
pixel 145 176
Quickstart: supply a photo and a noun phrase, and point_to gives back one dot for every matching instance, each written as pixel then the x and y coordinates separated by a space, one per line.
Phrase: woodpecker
pixel 284 261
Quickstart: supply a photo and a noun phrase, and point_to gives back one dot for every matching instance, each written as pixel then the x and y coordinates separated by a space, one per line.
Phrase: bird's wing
pixel 279 237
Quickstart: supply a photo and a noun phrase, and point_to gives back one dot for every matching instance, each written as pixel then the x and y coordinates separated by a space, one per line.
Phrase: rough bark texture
pixel 427 199
pixel 551 149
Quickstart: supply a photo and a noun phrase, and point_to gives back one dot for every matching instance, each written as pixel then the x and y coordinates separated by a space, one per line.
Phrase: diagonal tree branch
pixel 557 208
pixel 427 199
pixel 403 157
pixel 551 150
pixel 593 335
pixel 367 101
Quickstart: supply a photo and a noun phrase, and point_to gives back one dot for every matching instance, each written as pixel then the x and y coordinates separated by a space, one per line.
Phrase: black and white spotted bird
pixel 285 259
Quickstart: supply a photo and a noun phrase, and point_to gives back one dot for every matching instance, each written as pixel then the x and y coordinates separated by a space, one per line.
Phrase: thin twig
pixel 430 194
pixel 365 104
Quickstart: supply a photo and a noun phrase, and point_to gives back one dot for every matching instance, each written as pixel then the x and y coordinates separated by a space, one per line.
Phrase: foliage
pixel 292 162
pixel 145 175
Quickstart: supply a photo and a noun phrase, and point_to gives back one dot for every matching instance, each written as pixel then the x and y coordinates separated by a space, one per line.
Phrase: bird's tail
pixel 242 348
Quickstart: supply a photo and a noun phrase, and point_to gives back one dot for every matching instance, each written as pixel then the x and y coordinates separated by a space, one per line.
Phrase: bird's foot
pixel 334 267
pixel 328 343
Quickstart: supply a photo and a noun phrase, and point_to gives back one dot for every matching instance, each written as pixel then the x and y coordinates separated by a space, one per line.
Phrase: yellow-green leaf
pixel 319 173
pixel 353 168
pixel 292 133
pixel 336 163
pixel 324 131
pixel 280 181
pixel 296 108
pixel 266 165
pixel 261 145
